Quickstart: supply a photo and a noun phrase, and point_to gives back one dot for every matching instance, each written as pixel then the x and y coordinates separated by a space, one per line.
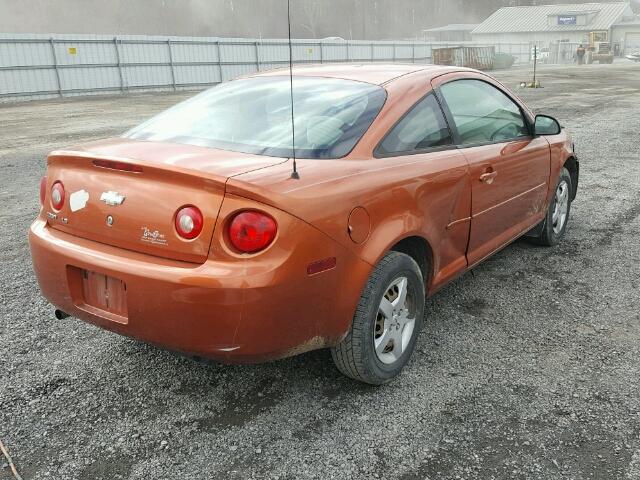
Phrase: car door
pixel 420 148
pixel 508 166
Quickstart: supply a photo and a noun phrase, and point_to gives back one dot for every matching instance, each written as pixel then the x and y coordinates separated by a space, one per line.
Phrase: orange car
pixel 199 232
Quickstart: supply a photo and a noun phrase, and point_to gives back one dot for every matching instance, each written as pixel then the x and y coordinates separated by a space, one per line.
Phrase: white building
pixel 544 24
pixel 455 32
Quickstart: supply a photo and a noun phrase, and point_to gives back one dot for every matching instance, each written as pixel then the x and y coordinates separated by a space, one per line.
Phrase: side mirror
pixel 546 125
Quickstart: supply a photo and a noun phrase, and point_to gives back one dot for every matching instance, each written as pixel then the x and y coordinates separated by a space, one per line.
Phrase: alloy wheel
pixel 561 207
pixel 395 322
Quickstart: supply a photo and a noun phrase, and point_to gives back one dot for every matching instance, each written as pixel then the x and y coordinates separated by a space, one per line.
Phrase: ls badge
pixel 112 198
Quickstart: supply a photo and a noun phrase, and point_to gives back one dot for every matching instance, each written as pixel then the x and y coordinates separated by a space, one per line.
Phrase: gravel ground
pixel 528 367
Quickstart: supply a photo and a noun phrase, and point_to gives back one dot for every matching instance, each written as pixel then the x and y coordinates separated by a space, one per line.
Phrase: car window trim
pixel 377 153
pixel 456 135
pixel 498 142
pixel 442 148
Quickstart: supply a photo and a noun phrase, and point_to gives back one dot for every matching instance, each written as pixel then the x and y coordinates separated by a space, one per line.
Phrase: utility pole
pixel 535 63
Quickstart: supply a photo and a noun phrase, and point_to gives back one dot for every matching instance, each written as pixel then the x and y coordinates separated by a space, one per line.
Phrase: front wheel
pixel 386 324
pixel 555 223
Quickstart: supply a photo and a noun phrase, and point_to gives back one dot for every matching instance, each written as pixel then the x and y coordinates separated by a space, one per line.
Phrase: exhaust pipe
pixel 60 314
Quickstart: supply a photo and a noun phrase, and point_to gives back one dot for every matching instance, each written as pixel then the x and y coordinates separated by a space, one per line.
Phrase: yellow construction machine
pixel 599 49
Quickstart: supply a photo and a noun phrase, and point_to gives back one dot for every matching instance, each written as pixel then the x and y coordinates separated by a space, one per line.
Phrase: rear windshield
pixel 254 116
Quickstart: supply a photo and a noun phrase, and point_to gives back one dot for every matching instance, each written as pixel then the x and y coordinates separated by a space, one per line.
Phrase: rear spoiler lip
pixel 153 166
pixel 181 173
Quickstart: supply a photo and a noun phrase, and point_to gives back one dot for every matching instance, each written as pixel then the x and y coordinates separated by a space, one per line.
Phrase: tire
pixel 550 234
pixel 383 334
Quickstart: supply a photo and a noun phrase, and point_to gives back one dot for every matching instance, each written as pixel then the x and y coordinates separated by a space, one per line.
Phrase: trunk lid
pixel 136 209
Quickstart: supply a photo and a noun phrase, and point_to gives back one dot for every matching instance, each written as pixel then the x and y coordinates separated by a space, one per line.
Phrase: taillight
pixel 57 195
pixel 189 222
pixel 43 189
pixel 252 231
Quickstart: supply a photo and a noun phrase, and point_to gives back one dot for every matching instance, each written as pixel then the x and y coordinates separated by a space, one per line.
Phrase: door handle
pixel 488 177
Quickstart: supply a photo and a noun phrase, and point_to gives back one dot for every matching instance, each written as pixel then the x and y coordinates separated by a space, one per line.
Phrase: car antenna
pixel 294 173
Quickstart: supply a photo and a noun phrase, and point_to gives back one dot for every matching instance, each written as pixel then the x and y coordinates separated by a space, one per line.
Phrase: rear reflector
pixel 114 165
pixel 321 265
pixel 189 222
pixel 57 196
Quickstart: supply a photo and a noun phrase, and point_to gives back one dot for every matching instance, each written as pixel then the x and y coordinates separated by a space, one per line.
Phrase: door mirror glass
pixel 547 125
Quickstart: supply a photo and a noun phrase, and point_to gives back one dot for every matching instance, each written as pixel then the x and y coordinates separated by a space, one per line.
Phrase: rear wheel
pixel 555 223
pixel 388 319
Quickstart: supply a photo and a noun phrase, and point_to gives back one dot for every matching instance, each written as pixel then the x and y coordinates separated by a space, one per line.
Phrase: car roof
pixel 375 73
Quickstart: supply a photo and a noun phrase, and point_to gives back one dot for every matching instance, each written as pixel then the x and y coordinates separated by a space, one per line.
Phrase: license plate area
pixel 101 295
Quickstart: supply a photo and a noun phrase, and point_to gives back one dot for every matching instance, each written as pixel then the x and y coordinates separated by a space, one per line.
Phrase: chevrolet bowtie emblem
pixel 112 198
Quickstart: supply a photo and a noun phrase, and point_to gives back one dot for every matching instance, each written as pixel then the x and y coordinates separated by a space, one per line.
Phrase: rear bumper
pixel 240 311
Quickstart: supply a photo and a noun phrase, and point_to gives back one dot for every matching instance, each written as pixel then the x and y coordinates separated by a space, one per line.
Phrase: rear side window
pixel 422 128
pixel 482 113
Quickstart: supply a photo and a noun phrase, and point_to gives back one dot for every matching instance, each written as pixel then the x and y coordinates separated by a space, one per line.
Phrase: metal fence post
pixel 348 52
pixel 55 66
pixel 115 44
pixel 173 73
pixel 321 53
pixel 373 55
pixel 257 56
pixel 219 60
pixel 413 53
pixel 393 45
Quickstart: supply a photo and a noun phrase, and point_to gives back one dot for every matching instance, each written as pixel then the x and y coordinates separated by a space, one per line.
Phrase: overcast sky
pixel 357 19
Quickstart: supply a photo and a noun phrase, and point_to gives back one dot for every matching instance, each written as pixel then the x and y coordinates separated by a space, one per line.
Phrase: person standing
pixel 580 52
